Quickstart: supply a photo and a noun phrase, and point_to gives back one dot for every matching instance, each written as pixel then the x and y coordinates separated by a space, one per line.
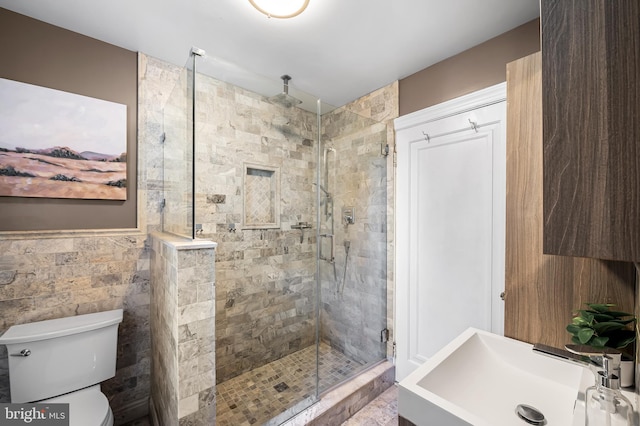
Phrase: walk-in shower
pixel 300 298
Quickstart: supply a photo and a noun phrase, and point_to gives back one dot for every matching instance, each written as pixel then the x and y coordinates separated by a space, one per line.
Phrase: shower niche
pixel 260 197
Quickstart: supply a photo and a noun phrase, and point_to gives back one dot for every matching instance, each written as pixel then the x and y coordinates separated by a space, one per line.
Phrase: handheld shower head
pixel 322 189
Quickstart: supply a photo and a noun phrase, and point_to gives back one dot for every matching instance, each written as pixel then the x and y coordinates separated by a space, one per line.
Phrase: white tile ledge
pixel 182 243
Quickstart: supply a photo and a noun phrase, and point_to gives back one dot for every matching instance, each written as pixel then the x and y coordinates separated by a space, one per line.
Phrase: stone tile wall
pixel 182 331
pixel 164 331
pixel 52 277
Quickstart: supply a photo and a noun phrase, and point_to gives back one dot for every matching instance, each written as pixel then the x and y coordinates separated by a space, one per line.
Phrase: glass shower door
pixel 352 182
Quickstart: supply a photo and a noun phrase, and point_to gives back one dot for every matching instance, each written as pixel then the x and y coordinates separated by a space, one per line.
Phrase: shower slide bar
pixel 332 258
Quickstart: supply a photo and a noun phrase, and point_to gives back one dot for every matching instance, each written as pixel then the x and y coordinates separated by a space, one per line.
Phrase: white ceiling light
pixel 280 8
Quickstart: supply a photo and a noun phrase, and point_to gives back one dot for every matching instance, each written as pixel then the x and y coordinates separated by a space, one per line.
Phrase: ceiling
pixel 337 50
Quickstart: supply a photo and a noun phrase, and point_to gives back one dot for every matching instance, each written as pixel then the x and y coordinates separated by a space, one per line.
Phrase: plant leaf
pixel 624 342
pixel 580 321
pixel 599 342
pixel 586 316
pixel 573 329
pixel 584 335
pixel 600 307
pixel 626 321
pixel 603 328
pixel 619 314
pixel 603 317
pixel 621 338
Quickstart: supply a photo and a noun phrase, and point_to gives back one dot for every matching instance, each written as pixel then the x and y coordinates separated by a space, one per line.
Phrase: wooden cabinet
pixel 591 128
pixel 542 291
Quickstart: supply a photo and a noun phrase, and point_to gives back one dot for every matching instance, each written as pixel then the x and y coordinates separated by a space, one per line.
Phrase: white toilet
pixel 63 361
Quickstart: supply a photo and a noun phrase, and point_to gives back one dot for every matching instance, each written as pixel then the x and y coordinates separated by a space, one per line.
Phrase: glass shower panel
pixel 255 160
pixel 353 242
pixel 177 206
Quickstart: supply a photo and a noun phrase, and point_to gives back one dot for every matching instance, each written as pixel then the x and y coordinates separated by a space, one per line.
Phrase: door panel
pixel 450 231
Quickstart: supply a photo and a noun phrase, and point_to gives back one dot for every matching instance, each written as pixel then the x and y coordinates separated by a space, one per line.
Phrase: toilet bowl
pixel 64 361
pixel 87 406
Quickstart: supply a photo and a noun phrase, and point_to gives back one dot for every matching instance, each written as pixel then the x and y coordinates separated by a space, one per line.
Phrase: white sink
pixel 480 378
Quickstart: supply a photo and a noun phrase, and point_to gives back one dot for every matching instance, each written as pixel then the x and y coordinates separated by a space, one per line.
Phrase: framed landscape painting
pixel 56 144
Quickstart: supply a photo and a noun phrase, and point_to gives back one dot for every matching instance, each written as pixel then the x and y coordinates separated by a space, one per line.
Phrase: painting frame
pixel 57 144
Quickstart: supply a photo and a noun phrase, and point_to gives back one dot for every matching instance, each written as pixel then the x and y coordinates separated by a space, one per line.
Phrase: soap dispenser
pixel 605 404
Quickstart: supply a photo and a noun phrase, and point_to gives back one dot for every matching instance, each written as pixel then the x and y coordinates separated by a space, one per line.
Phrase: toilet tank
pixel 62 355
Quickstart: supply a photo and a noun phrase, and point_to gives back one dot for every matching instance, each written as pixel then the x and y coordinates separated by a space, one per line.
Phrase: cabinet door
pixel 542 291
pixel 591 128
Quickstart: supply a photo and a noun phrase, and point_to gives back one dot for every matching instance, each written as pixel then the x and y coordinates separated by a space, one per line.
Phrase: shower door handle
pixel 333 248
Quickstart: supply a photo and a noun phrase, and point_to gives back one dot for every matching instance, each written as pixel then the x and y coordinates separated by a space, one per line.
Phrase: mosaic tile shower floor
pixel 256 396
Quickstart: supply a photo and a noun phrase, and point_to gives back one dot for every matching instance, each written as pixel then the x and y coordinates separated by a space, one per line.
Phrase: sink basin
pixel 480 378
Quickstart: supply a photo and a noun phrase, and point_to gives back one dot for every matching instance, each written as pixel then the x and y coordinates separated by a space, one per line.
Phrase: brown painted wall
pixel 41 54
pixel 474 69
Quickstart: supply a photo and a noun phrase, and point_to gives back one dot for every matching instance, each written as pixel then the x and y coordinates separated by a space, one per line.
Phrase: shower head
pixel 285 99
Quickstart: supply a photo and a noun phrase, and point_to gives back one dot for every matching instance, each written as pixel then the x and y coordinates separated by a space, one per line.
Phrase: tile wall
pixel 45 278
pixel 182 331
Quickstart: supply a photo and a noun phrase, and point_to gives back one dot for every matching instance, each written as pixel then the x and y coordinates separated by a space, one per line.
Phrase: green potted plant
pixel 599 326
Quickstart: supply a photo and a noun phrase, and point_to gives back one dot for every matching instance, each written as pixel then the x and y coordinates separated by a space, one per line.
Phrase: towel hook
pixel 474 125
pixel 426 136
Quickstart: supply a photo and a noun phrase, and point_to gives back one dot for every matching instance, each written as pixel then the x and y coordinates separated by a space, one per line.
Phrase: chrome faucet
pixel 586 356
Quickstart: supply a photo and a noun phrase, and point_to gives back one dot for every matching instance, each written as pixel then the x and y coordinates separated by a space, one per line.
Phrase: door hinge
pixel 163 203
pixel 163 137
pixel 384 335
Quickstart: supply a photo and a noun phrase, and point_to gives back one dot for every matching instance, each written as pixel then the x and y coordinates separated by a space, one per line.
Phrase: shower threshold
pixel 342 401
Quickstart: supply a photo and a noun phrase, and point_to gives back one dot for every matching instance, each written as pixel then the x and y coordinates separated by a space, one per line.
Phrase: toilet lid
pixel 87 407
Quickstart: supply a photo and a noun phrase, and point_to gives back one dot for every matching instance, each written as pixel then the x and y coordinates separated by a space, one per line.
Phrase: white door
pixel 450 224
